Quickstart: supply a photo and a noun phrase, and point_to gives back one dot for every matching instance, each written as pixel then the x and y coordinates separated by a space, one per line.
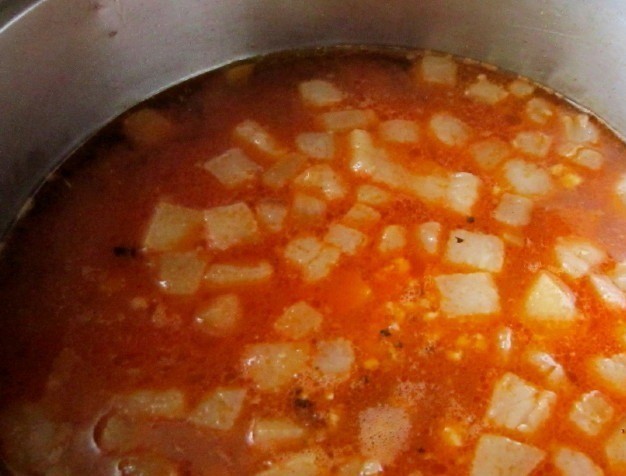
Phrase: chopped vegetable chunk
pixel 468 294
pixel 272 366
pixel 298 320
pixel 238 275
pixel 500 456
pixel 392 239
pixel 475 250
pixel 591 412
pixel 611 372
pixel 575 463
pixel 221 315
pixel 273 432
pixel 439 69
pixel 180 273
pixel 550 300
pixel 513 210
pixel 526 178
pixel 253 135
pixel 384 432
pixel 323 180
pixel 533 143
pixel 171 227
pixel 485 91
pixel 576 256
pixel 319 145
pixel 342 121
pixel 347 239
pixel 230 225
pixel 400 131
pixel 489 153
pixel 428 235
pixel 233 168
pixel 449 130
pixel 219 409
pixel 319 93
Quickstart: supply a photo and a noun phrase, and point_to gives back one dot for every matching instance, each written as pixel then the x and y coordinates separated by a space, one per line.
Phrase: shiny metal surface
pixel 69 66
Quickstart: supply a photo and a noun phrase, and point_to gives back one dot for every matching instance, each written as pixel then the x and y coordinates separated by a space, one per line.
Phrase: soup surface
pixel 348 263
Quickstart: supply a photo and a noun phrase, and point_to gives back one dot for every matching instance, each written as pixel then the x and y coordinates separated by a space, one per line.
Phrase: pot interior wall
pixel 70 66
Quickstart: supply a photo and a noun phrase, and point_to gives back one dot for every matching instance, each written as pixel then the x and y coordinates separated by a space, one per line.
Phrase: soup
pixel 343 262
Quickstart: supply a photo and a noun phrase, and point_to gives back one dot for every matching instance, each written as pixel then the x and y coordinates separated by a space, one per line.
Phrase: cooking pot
pixel 67 67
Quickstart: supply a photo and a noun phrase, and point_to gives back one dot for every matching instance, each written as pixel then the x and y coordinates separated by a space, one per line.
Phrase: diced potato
pixel 274 432
pixel 462 192
pixel 550 299
pixel 384 432
pixel 304 463
pixel 521 88
pixel 393 238
pixel 323 180
pixel 180 273
pixel 499 456
pixel 168 404
pixel 233 168
pixel 615 448
pixel 230 225
pixel 539 110
pixel 476 250
pixel 620 189
pixel 307 208
pixel 334 358
pixel 361 216
pixel 271 215
pixel 239 73
pixel 618 275
pixel 504 342
pixel 318 145
pixel 611 372
pixel 319 93
pixel 579 130
pixel 347 239
pixel 517 405
pixel 490 153
pixel 468 294
pixel 513 210
pixel 172 226
pixel 485 91
pixel 147 465
pixel 608 292
pixel 591 412
pixel 219 409
pixel 238 274
pixel 577 256
pixel 449 130
pixel 148 127
pixel 298 320
pixel 372 195
pixel 438 70
pixel 400 131
pixel 533 143
pixel 220 316
pixel 358 467
pixel 550 369
pixel 343 121
pixel 253 135
pixel 365 156
pixel 118 434
pixel 282 172
pixel 272 366
pixel 588 158
pixel 574 463
pixel 527 178
pixel 428 235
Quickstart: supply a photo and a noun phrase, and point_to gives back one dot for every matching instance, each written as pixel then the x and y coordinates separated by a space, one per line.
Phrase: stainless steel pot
pixel 69 66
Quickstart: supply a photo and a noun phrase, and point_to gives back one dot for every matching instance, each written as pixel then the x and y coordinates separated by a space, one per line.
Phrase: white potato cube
pixel 318 145
pixel 578 129
pixel 468 294
pixel 323 180
pixel 220 316
pixel 271 215
pixel 364 155
pixel 344 121
pixel 475 250
pixel 500 456
pixel 319 93
pixel 274 432
pixel 180 273
pixel 517 405
pixel 615 448
pixel 526 178
pixel 272 366
pixel 230 225
pixel 233 168
pixel 393 238
pixel 428 234
pixel 611 372
pixel 334 358
pixel 521 88
pixel 172 226
pixel 450 130
pixel 253 135
pixel 577 256
pixel 384 432
pixel 308 208
pixel 361 216
pixel 620 189
pixel 219 409
pixel 462 192
pixel 347 239
pixel 550 300
pixel 168 404
pixel 226 275
pixel 539 110
pixel 513 210
pixel 607 291
pixel 574 463
pixel 438 70
pixel 314 258
pixel 488 154
pixel 485 91
pixel 373 195
pixel 533 143
pixel 618 275
pixel 298 320
pixel 283 171
pixel 591 412
pixel 400 131
pixel 553 372
pixel 588 158
pixel 304 463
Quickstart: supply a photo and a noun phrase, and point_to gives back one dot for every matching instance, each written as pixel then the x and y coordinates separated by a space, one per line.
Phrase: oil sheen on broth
pixel 349 263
